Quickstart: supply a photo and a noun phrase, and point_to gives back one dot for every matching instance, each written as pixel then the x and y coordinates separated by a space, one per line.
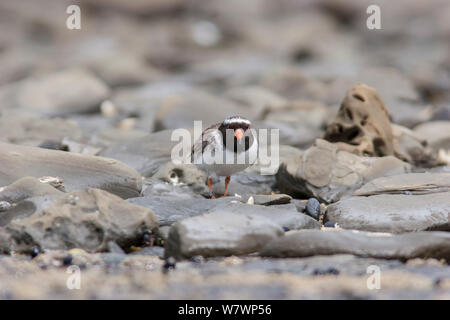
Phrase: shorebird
pixel 224 149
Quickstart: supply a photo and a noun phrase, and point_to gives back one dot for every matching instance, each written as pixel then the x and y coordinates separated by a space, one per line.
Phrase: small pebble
pixel 35 252
pixel 198 259
pixel 320 272
pixel 4 205
pixel 169 264
pixel 67 260
pixel 329 224
pixel 54 145
pixel 313 208
pixel 148 239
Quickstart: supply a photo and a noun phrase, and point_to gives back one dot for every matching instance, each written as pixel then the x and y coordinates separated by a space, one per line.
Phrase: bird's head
pixel 240 127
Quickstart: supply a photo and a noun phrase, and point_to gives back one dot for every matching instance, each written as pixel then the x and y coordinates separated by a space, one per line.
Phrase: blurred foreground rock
pixel 220 234
pixel 86 219
pixel 364 244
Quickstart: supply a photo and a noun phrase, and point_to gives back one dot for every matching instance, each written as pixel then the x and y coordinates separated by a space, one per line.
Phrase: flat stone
pixel 77 171
pixel 410 183
pixel 392 213
pixel 286 218
pixel 169 210
pixel 365 244
pixel 220 234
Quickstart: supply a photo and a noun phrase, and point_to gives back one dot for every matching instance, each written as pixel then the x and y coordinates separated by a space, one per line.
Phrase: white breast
pixel 227 169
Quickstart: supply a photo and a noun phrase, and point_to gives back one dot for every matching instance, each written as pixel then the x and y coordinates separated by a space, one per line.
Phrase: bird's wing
pixel 209 136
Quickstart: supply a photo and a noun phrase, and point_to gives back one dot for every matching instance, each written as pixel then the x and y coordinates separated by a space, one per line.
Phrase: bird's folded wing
pixel 210 137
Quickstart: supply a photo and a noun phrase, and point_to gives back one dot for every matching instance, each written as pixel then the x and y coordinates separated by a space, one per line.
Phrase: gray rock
pixel 4 206
pixel 27 187
pixel 364 244
pixel 412 183
pixel 313 208
pixel 76 170
pixel 220 234
pixel 329 224
pixel 392 213
pixel 328 174
pixel 87 219
pixel 59 93
pixel 169 210
pixel 286 218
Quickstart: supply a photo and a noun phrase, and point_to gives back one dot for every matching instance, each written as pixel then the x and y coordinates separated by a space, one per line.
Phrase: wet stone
pixel 395 213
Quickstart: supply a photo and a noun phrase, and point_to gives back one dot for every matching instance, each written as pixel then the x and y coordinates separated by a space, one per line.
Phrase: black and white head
pixel 236 133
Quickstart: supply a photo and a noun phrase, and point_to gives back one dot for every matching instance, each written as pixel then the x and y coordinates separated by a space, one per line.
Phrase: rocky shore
pixel 87 181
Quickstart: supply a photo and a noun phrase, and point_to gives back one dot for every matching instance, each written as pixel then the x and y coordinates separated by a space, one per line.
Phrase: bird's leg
pixel 227 181
pixel 210 188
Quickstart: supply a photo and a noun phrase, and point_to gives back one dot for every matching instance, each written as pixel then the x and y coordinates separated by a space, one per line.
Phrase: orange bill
pixel 239 134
